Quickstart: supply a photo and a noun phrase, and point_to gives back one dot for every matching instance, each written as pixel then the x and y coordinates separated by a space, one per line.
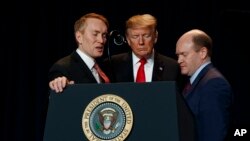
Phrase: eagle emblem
pixel 108 120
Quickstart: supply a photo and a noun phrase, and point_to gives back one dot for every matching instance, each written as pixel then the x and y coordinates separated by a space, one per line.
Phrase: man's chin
pixel 98 55
pixel 144 54
pixel 184 73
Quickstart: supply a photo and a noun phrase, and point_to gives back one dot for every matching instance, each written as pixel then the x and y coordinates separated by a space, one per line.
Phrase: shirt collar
pixel 89 61
pixel 135 59
pixel 192 78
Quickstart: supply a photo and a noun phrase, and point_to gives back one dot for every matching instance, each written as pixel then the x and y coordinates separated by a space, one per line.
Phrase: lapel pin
pixel 160 68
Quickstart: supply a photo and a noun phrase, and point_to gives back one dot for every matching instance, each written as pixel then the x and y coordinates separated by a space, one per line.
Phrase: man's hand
pixel 59 83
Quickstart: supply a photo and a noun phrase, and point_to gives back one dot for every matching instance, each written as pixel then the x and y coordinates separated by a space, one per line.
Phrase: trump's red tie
pixel 101 73
pixel 141 73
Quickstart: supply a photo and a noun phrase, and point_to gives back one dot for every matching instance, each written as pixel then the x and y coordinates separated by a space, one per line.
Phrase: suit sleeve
pixel 214 112
pixel 57 71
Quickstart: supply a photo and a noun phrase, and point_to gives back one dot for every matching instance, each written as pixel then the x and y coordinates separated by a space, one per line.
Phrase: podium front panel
pixel 153 106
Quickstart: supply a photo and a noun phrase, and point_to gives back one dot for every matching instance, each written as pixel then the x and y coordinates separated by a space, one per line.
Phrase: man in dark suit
pixel 79 67
pixel 141 36
pixel 164 68
pixel 210 94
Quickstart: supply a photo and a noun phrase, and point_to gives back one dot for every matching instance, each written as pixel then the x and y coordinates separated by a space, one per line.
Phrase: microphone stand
pixel 118 40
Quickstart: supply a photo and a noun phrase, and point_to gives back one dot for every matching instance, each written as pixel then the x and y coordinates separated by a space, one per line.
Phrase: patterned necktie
pixel 141 73
pixel 101 73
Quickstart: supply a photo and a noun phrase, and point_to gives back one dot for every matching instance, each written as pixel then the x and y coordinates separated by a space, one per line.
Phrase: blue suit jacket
pixel 210 100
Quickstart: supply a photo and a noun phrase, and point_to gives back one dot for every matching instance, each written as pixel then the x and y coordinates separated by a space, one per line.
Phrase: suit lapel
pixel 158 69
pixel 82 66
pixel 129 65
pixel 200 76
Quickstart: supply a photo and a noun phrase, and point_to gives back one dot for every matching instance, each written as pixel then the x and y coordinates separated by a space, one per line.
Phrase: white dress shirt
pixel 90 62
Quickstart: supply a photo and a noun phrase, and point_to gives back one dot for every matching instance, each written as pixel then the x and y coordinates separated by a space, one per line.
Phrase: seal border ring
pixel 103 99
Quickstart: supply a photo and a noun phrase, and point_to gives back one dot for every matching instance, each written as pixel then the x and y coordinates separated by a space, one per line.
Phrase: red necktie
pixel 101 73
pixel 141 73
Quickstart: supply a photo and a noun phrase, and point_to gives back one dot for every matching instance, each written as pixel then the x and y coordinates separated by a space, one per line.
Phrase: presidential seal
pixel 107 117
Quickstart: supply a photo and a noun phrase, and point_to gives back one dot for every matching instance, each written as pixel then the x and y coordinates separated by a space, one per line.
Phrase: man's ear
pixel 78 36
pixel 127 40
pixel 203 52
pixel 156 36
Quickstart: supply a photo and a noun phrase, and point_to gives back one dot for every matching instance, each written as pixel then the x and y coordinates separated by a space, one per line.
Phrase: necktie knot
pixel 143 61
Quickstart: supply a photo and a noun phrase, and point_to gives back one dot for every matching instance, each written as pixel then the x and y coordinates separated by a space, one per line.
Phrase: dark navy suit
pixel 210 100
pixel 72 67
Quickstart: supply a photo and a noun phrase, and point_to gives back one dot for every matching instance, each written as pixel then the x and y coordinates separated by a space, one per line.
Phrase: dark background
pixel 35 34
